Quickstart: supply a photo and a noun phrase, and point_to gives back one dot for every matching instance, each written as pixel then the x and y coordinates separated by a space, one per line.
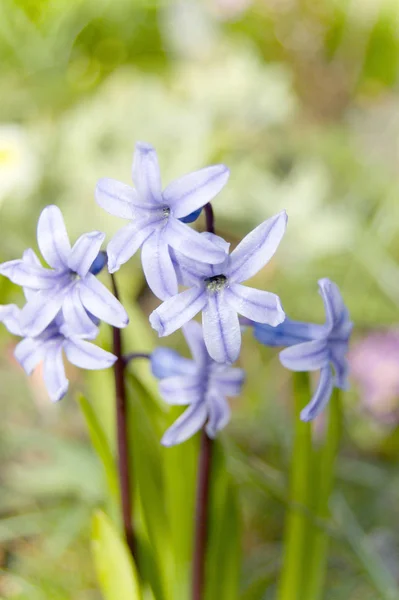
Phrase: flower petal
pixel 84 251
pixel 116 198
pixel 192 191
pixel 192 331
pixel 177 311
pixel 30 276
pixel 29 353
pixel 338 351
pixel 186 425
pixel 221 328
pixel 75 315
pixel 52 237
pixel 308 356
pixel 166 362
pixel 86 355
pixel 127 241
pixel 158 267
pixel 287 333
pixel 257 305
pixel 98 300
pixel 40 310
pixel 257 248
pixel 219 414
pixel 228 380
pixel 189 272
pixel 146 174
pixel 321 396
pixel 54 372
pixel 180 389
pixel 10 316
pixel 336 311
pixel 191 243
pixel 30 258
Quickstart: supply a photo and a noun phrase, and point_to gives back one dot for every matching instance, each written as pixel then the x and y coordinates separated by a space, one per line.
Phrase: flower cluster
pixel 66 302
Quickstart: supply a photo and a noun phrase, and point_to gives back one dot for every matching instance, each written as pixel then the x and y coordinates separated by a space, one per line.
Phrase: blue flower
pixel 68 286
pixel 315 347
pixel 217 291
pixel 48 347
pixel 155 218
pixel 201 383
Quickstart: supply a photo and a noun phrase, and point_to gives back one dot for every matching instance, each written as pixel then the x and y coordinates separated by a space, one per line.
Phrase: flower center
pixel 216 283
pixel 165 212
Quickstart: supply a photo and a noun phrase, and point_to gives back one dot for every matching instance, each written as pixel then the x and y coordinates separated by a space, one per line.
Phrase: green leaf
pixel 116 572
pixel 101 446
pixel 224 534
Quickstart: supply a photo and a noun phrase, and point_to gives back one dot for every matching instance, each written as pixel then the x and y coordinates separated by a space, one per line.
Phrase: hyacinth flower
pixel 315 347
pixel 69 286
pixel 201 383
pixel 156 218
pixel 48 347
pixel 216 290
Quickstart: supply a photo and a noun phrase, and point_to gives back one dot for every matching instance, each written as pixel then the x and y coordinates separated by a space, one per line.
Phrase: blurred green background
pixel 300 99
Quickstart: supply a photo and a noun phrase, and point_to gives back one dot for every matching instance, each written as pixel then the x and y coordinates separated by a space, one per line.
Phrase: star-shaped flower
pixel 315 347
pixel 201 383
pixel 217 291
pixel 48 347
pixel 155 217
pixel 69 285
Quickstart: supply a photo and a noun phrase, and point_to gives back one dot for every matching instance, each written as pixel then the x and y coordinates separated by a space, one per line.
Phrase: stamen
pixel 166 211
pixel 216 283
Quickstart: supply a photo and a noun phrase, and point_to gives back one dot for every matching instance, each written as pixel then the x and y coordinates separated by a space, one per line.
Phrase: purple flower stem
pixel 201 517
pixel 203 484
pixel 209 218
pixel 122 435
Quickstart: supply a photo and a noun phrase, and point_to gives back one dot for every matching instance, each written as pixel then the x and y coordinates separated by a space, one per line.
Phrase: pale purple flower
pixel 202 384
pixel 315 347
pixel 217 291
pixel 68 286
pixel 48 347
pixel 155 215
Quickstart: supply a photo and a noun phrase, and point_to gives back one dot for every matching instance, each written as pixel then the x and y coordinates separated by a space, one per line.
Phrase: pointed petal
pixel 29 353
pixel 116 198
pixel 191 243
pixel 30 258
pixel 158 267
pixel 287 333
pixel 177 311
pixel 309 356
pixel 338 351
pixel 221 328
pixel 86 355
pixel 10 316
pixel 192 191
pixel 146 174
pixel 257 305
pixel 189 272
pixel 166 362
pixel 180 389
pixel 228 380
pixel 98 300
pixel 84 251
pixel 219 414
pixel 257 248
pixel 321 396
pixel 54 372
pixel 126 242
pixel 75 315
pixel 192 331
pixel 52 237
pixel 186 425
pixel 40 310
pixel 336 311
pixel 30 276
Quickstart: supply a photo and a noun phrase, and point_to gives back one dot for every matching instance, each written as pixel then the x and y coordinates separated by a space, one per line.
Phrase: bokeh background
pixel 300 99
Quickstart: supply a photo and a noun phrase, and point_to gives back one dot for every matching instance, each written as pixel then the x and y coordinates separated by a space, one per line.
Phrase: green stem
pixel 296 528
pixel 324 472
